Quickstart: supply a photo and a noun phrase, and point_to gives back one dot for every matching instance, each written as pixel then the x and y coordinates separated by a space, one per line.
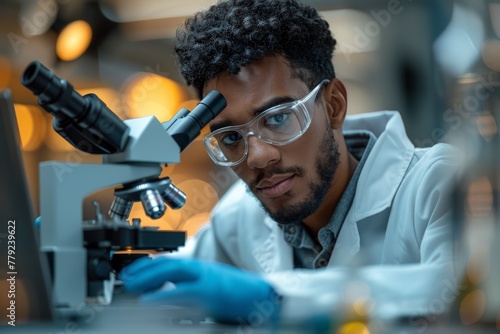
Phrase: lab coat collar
pixel 386 165
pixel 274 253
pixel 380 178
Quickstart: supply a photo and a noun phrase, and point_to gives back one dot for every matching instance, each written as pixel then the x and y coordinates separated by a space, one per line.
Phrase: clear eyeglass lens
pixel 214 149
pixel 230 145
pixel 279 126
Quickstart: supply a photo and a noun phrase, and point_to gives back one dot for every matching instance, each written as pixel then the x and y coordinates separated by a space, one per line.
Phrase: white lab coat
pixel 394 249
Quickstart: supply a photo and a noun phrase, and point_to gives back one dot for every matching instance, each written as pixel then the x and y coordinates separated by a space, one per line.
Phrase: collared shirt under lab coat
pixel 395 244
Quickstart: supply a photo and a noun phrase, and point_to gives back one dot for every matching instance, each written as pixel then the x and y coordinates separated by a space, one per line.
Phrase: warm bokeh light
pixel 201 197
pixel 487 126
pixel 480 198
pixel 491 54
pixel 472 307
pixel 353 327
pixel 193 224
pixel 5 72
pixel 363 306
pixel 73 40
pixel 357 299
pixel 148 94
pixel 32 127
pixel 188 104
pixel 478 267
pixel 168 170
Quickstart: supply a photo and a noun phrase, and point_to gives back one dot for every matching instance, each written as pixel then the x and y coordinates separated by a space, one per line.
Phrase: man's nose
pixel 260 153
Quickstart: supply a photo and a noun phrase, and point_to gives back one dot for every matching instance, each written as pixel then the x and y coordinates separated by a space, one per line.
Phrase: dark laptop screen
pixel 24 281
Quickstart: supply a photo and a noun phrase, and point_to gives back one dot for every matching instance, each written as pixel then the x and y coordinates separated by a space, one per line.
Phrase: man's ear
pixel 335 96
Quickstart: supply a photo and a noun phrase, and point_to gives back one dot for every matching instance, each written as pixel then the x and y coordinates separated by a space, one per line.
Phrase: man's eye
pixel 230 138
pixel 277 119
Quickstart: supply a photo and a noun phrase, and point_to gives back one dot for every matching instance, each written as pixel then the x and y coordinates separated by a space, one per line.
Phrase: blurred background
pixel 412 56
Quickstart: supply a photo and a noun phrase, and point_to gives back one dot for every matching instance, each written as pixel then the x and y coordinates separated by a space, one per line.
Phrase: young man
pixel 317 191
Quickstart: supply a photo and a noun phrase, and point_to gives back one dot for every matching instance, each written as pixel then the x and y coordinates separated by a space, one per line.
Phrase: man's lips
pixel 275 186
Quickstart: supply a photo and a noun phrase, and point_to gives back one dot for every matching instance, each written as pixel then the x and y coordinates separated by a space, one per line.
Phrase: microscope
pixel 80 253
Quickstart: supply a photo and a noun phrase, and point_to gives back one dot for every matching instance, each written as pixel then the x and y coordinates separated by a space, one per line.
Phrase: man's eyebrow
pixel 221 124
pixel 272 103
pixel 269 104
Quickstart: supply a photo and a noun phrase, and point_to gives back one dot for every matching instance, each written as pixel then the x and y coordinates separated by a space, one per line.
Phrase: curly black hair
pixel 235 33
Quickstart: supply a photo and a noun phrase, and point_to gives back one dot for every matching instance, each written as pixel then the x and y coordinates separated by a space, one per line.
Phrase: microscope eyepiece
pixel 55 95
pixel 84 121
pixel 36 76
pixel 184 130
pixel 208 108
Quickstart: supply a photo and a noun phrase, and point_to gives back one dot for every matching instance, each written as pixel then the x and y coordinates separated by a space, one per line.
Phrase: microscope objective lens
pixel 153 203
pixel 174 197
pixel 120 208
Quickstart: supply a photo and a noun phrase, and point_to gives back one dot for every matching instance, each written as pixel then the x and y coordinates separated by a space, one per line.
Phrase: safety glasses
pixel 279 125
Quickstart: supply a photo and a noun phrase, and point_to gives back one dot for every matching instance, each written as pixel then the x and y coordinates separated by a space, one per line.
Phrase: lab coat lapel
pixel 347 245
pixel 385 167
pixel 377 185
pixel 274 253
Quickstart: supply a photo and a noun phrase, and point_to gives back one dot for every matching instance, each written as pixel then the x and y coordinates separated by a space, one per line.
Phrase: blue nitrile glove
pixel 226 293
pixel 38 221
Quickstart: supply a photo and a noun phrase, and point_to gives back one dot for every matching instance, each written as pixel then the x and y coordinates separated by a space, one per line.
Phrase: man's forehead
pixel 256 73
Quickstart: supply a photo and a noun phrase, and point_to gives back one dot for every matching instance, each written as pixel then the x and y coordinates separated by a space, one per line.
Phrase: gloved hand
pixel 226 293
pixel 38 221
